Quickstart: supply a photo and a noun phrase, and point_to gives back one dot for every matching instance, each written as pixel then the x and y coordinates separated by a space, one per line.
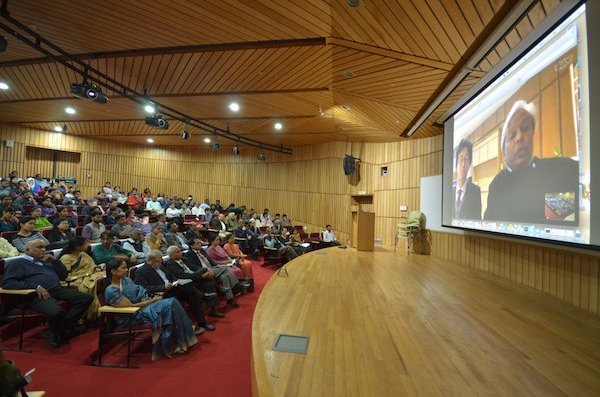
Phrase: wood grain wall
pixel 311 188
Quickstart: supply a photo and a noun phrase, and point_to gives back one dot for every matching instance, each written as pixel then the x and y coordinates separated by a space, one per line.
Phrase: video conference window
pixel 521 147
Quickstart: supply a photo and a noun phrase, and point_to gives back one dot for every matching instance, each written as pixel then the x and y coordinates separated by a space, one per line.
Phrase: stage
pixel 385 324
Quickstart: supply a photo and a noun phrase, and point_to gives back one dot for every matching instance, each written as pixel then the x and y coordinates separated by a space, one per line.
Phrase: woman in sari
pixel 220 256
pixel 83 272
pixel 233 250
pixel 172 330
pixel 39 222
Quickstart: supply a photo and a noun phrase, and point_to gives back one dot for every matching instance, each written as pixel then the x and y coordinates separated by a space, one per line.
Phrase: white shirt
pixel 154 206
pixel 197 211
pixel 328 236
pixel 173 212
pixel 204 206
pixel 163 276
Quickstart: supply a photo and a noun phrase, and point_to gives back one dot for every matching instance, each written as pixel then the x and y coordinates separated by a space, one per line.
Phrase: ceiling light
pixel 215 146
pixel 207 140
pixel 234 106
pixel 185 135
pixel 278 126
pixel 58 128
pixel 236 150
pixel 261 157
pixel 70 110
pixel 158 121
pixel 3 86
pixel 88 91
pixel 149 108
pixel 150 140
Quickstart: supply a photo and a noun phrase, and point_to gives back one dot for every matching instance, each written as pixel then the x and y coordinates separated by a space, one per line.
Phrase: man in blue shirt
pixel 38 270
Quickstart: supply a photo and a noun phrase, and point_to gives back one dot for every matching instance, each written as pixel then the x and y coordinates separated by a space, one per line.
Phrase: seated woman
pixel 156 239
pixel 27 234
pixel 296 242
pixel 63 212
pixel 233 250
pixel 285 221
pixel 172 330
pixel 83 272
pixel 287 252
pixel 130 217
pixel 7 250
pixel 220 256
pixel 48 209
pixel 39 222
pixel 61 233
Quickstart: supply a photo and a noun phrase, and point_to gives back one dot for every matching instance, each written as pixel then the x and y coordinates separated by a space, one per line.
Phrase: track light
pixel 150 108
pixel 157 121
pixel 87 91
pixel 3 43
pixel 261 157
pixel 236 150
pixel 215 146
pixel 62 129
pixel 207 140
pixel 186 135
pixel 3 86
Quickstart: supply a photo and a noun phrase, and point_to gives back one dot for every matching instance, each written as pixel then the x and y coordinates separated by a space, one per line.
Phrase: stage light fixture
pixel 150 140
pixel 150 108
pixel 88 91
pixel 261 157
pixel 3 43
pixel 3 86
pixel 234 106
pixel 215 146
pixel 236 150
pixel 157 121
pixel 207 140
pixel 70 110
pixel 62 129
pixel 186 135
pixel 278 126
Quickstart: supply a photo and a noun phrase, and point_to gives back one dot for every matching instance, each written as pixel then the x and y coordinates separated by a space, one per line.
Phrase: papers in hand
pixel 305 245
pixel 181 281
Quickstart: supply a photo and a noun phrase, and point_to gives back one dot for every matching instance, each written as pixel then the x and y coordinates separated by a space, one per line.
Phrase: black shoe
pixel 233 303
pixel 216 313
pixel 250 285
pixel 51 338
pixel 208 327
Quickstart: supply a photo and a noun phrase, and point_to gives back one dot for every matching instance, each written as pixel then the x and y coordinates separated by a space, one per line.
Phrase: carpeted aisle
pixel 218 366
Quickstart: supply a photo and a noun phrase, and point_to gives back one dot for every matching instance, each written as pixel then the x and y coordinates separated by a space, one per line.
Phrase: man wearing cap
pixel 519 192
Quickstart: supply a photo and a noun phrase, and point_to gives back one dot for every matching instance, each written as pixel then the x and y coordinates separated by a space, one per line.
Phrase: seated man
pixel 173 237
pixel 156 239
pixel 7 203
pixel 26 198
pixel 38 270
pixel 137 246
pixel 94 229
pixel 121 229
pixel 27 234
pixel 112 215
pixel 143 224
pixel 108 250
pixel 156 278
pixel 203 278
pixel 286 251
pixel 198 259
pixel 329 239
pixel 9 222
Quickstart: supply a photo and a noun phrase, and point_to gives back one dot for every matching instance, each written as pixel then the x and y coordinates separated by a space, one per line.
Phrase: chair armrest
pixel 119 310
pixel 17 291
pixel 271 248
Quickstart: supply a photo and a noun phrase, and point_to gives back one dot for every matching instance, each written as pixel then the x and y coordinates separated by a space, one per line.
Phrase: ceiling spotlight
pixel 149 108
pixel 261 157
pixel 58 128
pixel 150 140
pixel 278 126
pixel 3 85
pixel 70 110
pixel 207 140
pixel 157 121
pixel 236 150
pixel 3 43
pixel 215 146
pixel 234 106
pixel 89 91
pixel 186 135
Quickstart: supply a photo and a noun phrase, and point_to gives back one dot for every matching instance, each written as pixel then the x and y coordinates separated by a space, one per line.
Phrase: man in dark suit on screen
pixel 467 195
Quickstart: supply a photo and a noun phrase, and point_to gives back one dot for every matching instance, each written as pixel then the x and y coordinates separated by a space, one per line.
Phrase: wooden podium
pixel 363 222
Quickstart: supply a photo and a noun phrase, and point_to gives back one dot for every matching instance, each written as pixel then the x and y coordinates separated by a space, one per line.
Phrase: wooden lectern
pixel 363 222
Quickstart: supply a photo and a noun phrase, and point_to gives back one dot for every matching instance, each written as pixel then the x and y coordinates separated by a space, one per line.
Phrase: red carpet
pixel 218 366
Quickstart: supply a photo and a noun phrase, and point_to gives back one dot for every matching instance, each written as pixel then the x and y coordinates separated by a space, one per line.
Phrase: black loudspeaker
pixel 349 165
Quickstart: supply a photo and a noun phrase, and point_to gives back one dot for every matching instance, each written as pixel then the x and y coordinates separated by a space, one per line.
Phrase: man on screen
pixel 467 195
pixel 522 192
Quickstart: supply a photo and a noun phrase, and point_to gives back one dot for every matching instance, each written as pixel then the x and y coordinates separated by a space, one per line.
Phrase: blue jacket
pixel 24 273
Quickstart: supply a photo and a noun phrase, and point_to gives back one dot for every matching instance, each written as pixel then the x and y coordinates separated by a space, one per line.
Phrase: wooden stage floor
pixel 384 324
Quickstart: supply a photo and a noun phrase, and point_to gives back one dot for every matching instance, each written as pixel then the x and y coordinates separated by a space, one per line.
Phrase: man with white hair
pixel 38 270
pixel 519 192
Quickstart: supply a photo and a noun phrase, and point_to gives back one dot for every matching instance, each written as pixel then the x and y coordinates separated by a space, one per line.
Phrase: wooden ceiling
pixel 327 71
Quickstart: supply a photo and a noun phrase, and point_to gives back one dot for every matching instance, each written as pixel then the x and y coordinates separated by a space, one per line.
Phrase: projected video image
pixel 520 146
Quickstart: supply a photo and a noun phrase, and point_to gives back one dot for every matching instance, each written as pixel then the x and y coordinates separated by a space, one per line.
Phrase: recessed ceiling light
pixel 149 108
pixel 207 140
pixel 278 126
pixel 3 86
pixel 70 110
pixel 234 106
pixel 150 140
pixel 58 128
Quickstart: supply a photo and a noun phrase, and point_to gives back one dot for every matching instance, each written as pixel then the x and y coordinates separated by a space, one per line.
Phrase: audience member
pixel 154 206
pixel 220 257
pixel 285 221
pixel 7 203
pixel 109 250
pixel 94 229
pixel 64 213
pixel 173 237
pixel 137 246
pixel 9 222
pixel 329 238
pixel 27 234
pixel 61 233
pixel 47 208
pixel 40 271
pixel 234 252
pixel 26 198
pixel 39 222
pixel 121 229
pixel 156 239
pixel 172 329
pixel 286 252
pixel 6 249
